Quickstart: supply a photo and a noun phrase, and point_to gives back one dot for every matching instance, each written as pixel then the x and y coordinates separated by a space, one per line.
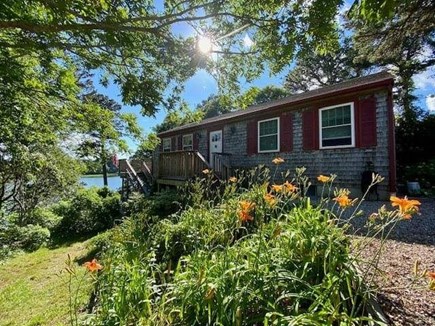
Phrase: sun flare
pixel 204 44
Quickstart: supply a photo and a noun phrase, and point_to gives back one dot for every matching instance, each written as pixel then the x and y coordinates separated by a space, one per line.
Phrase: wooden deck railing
pixel 221 164
pixel 181 165
pixel 137 172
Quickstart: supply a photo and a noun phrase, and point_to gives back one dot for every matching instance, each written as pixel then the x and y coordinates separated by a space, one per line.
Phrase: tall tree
pixel 179 117
pixel 256 95
pixel 214 105
pixel 103 129
pixel 313 70
pixel 404 44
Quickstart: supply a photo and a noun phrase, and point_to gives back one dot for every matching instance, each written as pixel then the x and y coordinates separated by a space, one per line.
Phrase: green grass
pixel 34 287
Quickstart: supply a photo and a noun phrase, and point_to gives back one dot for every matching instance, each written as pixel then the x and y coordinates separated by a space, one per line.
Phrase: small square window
pixel 166 144
pixel 268 135
pixel 187 142
pixel 337 126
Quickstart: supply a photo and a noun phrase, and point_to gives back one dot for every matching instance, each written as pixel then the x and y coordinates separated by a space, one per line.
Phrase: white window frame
pixel 278 136
pixel 163 145
pixel 191 145
pixel 352 125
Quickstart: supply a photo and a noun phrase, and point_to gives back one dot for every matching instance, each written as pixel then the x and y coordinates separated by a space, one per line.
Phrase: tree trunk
pixel 104 163
pixel 105 174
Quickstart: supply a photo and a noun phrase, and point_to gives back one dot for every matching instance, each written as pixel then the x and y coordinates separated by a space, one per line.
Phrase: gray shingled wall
pixel 347 163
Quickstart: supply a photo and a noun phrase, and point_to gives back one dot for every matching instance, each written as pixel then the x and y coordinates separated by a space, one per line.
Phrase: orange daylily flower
pixel 245 212
pixel 270 199
pixel 289 187
pixel 431 275
pixel 206 171
pixel 407 207
pixel 278 161
pixel 93 265
pixel 277 188
pixel 323 178
pixel 232 179
pixel 343 200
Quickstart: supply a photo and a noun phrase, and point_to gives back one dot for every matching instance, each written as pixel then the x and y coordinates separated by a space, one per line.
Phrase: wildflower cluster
pixel 246 208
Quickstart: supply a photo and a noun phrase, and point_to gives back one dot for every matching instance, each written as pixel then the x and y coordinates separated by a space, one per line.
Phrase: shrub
pixel 45 217
pixel 88 212
pixel 30 237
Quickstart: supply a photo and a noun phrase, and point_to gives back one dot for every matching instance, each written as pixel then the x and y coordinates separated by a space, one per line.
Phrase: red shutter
pixel 195 141
pixel 367 122
pixel 173 144
pixel 310 129
pixel 252 137
pixel 286 132
pixel 180 142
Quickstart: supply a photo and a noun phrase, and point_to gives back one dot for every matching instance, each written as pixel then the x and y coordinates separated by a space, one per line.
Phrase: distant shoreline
pixel 99 175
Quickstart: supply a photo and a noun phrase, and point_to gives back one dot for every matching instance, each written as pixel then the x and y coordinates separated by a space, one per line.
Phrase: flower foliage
pixel 208 263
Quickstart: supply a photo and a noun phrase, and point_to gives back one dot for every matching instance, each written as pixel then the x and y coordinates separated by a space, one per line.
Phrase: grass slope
pixel 34 287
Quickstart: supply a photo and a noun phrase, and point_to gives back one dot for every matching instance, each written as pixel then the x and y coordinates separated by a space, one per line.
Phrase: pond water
pixel 115 182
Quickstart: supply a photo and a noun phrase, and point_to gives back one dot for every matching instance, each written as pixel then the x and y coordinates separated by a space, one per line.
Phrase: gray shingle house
pixel 336 129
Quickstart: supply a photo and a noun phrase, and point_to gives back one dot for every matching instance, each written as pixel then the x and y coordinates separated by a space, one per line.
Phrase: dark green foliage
pixel 415 150
pixel 45 217
pixel 30 237
pixel 88 212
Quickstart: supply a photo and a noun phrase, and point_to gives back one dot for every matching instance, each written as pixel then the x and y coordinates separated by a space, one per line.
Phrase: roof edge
pixel 380 79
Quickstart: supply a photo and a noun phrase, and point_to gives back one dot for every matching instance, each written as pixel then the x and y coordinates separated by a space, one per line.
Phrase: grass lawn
pixel 34 287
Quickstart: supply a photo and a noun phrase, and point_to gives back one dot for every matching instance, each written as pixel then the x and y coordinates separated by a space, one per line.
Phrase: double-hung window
pixel 166 142
pixel 268 135
pixel 337 127
pixel 187 142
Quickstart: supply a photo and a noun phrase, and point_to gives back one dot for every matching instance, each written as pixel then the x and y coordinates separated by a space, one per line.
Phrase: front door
pixel 215 144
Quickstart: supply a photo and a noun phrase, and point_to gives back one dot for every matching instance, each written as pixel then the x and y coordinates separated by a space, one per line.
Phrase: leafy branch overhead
pixel 134 42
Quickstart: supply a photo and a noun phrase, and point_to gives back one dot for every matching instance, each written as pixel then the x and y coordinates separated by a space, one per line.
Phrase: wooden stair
pixel 136 176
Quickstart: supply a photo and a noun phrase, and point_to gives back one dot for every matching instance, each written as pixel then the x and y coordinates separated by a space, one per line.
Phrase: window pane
pixel 336 132
pixel 337 142
pixel 269 143
pixel 187 140
pixel 268 127
pixel 336 126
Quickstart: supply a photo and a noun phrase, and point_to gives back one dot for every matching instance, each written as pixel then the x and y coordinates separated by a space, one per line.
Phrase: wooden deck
pixel 173 169
pixel 180 166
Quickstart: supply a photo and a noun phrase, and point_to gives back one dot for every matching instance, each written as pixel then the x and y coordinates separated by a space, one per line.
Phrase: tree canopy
pixel 134 42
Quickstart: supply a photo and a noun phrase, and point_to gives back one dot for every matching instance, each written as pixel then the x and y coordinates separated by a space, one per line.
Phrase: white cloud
pixel 430 102
pixel 425 79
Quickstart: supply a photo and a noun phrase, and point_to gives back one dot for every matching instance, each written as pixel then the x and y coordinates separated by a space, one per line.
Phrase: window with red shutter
pixel 251 135
pixel 337 126
pixel 286 129
pixel 310 130
pixel 367 122
pixel 179 142
pixel 195 141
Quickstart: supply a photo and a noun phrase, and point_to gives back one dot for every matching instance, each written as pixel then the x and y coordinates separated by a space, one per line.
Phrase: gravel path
pixel 412 240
